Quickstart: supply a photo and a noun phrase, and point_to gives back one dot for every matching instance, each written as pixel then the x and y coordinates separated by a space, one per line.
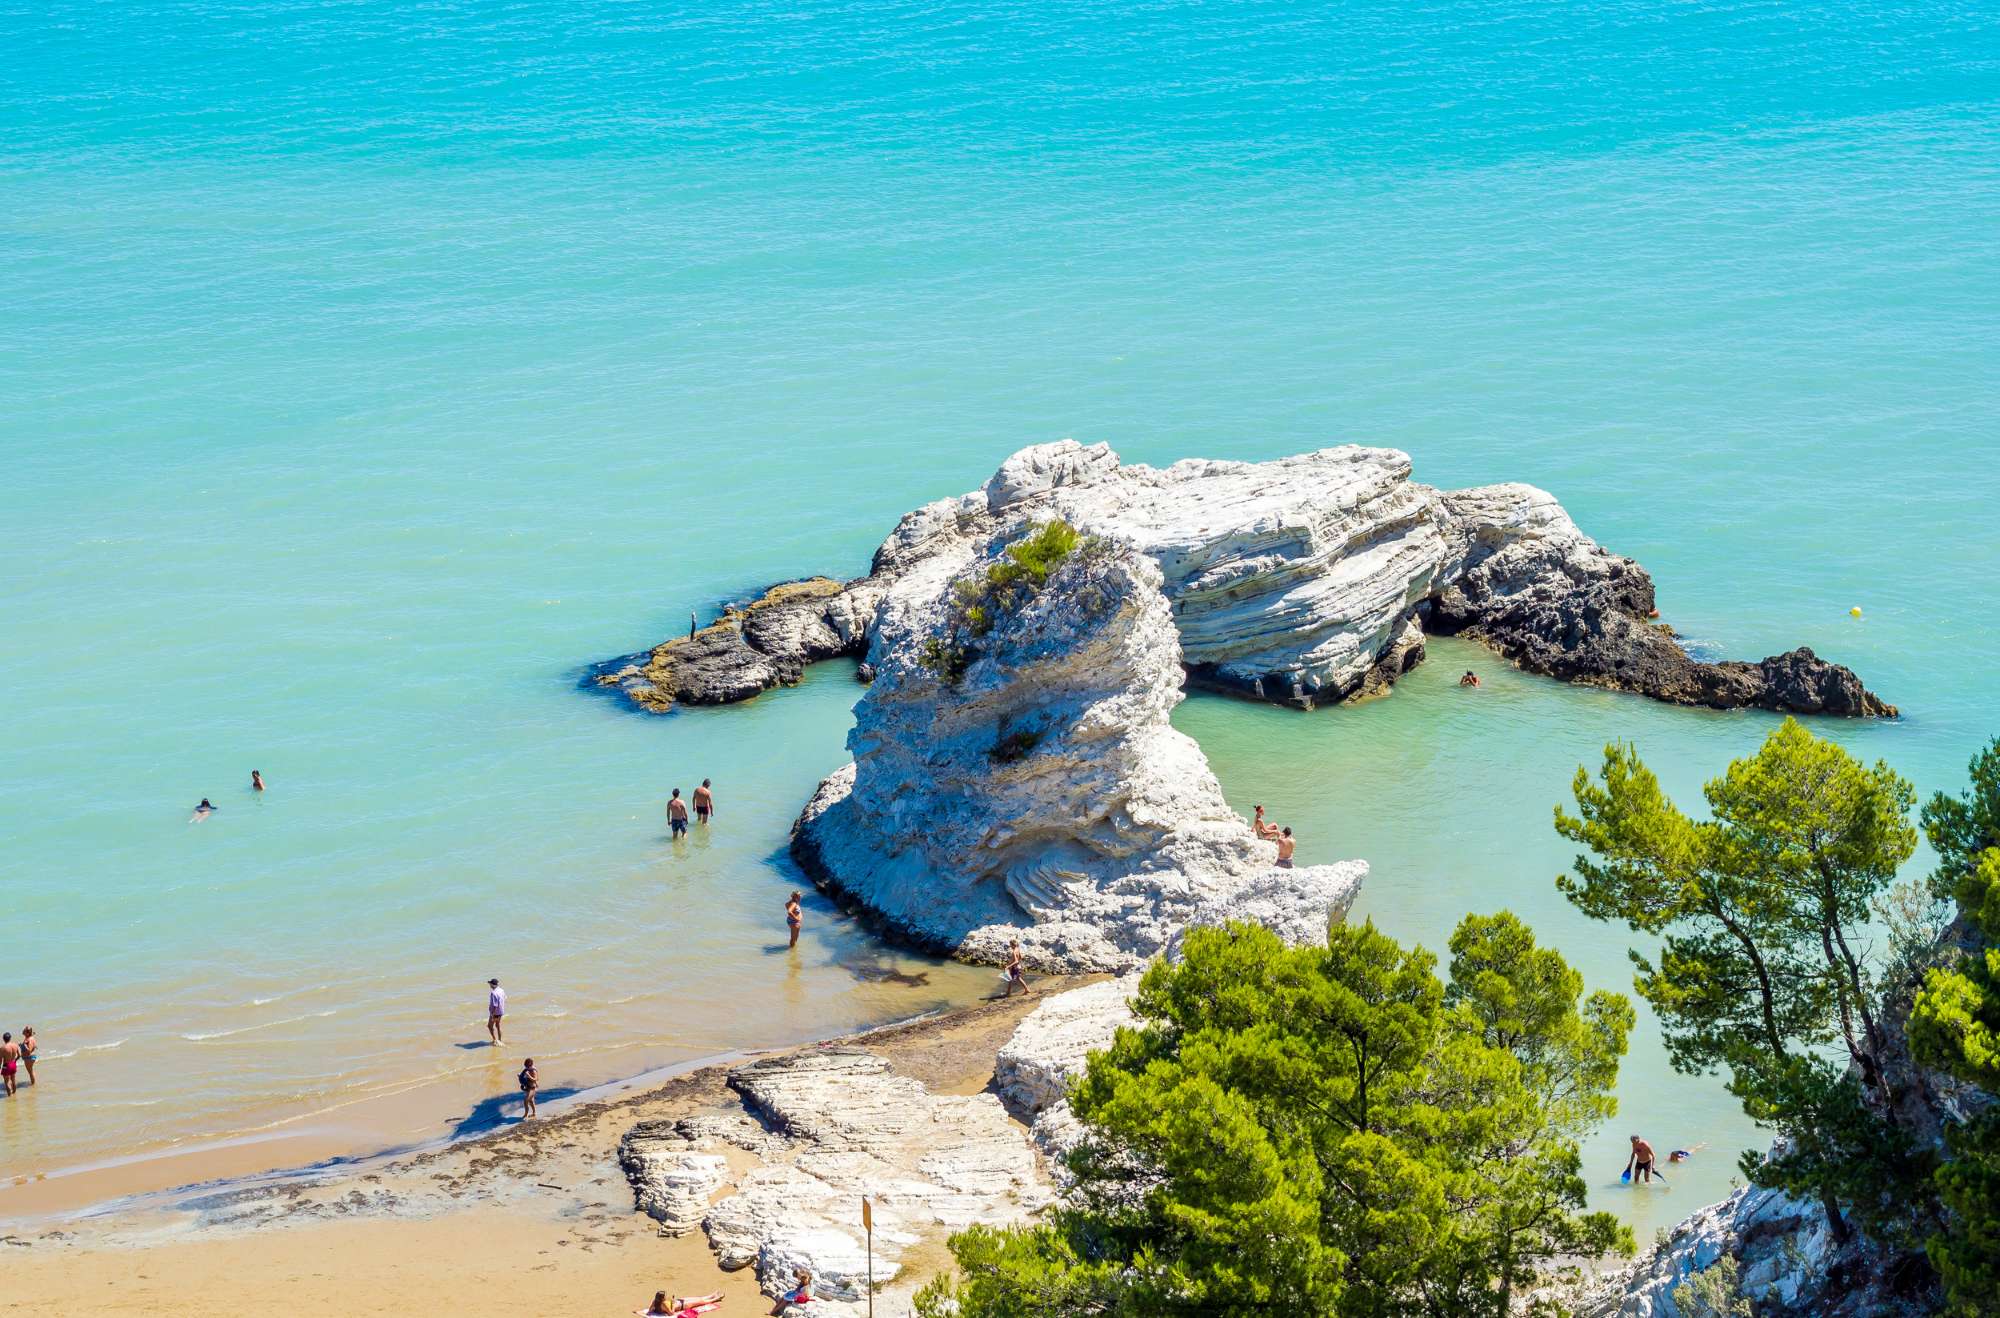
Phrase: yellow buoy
pixel 1854 612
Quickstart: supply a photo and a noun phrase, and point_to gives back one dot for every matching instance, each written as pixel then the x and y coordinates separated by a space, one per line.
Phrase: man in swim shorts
pixel 677 814
pixel 1015 974
pixel 496 1007
pixel 1640 1164
pixel 1286 845
pixel 704 802
pixel 10 1062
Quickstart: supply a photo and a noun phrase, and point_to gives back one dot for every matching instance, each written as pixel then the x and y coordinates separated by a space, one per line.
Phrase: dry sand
pixel 535 1219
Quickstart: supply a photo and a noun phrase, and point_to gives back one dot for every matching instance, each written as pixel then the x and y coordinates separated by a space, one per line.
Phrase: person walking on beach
pixel 1014 974
pixel 795 915
pixel 256 781
pixel 1286 845
pixel 530 1082
pixel 1640 1164
pixel 29 1048
pixel 10 1061
pixel 677 814
pixel 496 1007
pixel 201 812
pixel 704 802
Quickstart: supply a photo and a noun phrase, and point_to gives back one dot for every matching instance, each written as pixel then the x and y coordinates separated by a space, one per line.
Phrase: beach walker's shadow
pixel 476 1043
pixel 502 1110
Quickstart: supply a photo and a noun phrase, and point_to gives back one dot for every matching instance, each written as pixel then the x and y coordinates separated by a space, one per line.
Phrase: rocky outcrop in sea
pixel 1304 581
pixel 1015 776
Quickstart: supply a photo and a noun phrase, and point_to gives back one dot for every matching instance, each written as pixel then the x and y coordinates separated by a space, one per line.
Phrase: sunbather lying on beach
pixel 676 1307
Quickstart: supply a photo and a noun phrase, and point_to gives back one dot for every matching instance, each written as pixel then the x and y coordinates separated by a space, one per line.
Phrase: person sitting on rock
pixel 1263 827
pixel 1286 845
pixel 802 1292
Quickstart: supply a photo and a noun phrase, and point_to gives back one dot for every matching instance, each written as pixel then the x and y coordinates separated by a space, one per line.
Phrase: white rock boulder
pixel 1023 781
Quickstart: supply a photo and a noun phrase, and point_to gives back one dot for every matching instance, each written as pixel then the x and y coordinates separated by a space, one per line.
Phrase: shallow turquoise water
pixel 367 369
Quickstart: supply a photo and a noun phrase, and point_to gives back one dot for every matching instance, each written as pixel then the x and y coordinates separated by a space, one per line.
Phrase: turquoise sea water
pixel 366 369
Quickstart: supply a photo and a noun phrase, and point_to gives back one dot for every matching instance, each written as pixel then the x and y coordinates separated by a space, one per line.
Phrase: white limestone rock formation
pixel 845 1126
pixel 1036 1067
pixel 1021 779
pixel 672 1178
pixel 1305 580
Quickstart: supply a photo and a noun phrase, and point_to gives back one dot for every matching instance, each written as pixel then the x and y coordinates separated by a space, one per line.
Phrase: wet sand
pixel 536 1216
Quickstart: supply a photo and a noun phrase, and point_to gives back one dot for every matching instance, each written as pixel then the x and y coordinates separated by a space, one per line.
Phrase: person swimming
pixel 256 781
pixel 1470 679
pixel 1682 1155
pixel 201 812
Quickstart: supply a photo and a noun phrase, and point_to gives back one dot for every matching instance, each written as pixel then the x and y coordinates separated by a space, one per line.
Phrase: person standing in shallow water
pixel 1015 974
pixel 10 1061
pixel 530 1082
pixel 795 915
pixel 29 1048
pixel 704 802
pixel 677 814
pixel 496 1007
pixel 256 781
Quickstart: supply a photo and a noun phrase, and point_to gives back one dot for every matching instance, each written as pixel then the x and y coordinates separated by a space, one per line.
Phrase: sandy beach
pixel 536 1216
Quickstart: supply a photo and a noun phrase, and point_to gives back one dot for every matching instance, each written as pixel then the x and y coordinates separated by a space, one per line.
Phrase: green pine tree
pixel 1325 1130
pixel 1759 908
pixel 1955 1026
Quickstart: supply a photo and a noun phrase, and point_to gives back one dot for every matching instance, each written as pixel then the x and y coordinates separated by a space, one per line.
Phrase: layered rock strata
pixel 1304 581
pixel 1017 777
pixel 753 647
pixel 827 1126
pixel 822 1127
pixel 1034 1071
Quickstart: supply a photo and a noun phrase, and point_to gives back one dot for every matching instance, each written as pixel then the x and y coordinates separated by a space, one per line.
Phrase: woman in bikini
pixel 530 1082
pixel 676 1307
pixel 28 1049
pixel 795 916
